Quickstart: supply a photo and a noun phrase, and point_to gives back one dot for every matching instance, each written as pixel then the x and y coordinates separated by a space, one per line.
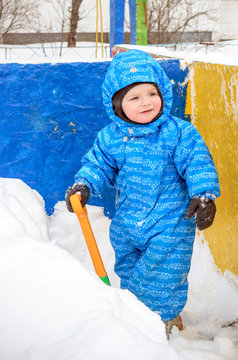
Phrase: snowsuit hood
pixel 130 67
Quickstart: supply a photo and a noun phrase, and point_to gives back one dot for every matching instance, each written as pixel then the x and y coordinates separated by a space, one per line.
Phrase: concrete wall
pixel 34 38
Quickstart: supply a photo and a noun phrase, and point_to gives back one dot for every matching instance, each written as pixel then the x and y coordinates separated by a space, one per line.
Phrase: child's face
pixel 142 103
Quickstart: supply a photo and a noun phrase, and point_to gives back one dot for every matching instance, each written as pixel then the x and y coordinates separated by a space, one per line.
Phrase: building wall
pixel 35 38
pixel 227 27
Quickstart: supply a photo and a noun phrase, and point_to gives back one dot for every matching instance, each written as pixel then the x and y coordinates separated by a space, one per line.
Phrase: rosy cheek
pixel 129 111
pixel 131 115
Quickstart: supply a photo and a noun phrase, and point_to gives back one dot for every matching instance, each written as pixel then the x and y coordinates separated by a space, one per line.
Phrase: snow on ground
pixel 54 53
pixel 53 306
pixel 220 53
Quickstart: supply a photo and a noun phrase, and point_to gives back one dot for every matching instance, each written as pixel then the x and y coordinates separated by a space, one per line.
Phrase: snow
pixel 225 52
pixel 53 306
pixel 219 53
pixel 53 53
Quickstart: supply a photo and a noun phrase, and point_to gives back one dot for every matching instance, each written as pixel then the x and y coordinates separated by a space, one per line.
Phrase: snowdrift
pixel 53 306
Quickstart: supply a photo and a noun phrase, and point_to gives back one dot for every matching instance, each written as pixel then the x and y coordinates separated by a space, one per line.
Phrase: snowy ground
pixel 219 53
pixel 53 306
pixel 53 53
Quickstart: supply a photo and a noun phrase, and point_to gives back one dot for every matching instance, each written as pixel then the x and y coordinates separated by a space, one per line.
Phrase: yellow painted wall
pixel 213 105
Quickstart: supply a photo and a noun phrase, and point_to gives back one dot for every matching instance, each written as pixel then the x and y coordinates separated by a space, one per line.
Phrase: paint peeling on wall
pixel 214 106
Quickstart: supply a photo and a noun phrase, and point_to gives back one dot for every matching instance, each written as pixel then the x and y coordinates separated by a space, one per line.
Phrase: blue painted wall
pixel 50 115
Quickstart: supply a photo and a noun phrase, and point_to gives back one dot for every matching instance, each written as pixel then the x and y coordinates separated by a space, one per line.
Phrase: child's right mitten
pixel 204 210
pixel 77 188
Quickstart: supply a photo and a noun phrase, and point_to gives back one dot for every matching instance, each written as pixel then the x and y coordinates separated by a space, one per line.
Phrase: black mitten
pixel 204 210
pixel 77 187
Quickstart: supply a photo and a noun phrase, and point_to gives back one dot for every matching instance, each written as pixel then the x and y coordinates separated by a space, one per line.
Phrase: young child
pixel 164 175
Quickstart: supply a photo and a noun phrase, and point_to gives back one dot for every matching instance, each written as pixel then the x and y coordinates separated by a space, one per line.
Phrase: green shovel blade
pixel 106 280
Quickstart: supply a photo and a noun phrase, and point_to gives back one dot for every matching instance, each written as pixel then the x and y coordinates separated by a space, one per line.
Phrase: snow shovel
pixel 82 215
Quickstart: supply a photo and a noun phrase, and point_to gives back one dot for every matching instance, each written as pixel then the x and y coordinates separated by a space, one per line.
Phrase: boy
pixel 164 175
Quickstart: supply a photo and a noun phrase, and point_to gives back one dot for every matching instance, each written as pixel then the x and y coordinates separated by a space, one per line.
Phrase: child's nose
pixel 146 100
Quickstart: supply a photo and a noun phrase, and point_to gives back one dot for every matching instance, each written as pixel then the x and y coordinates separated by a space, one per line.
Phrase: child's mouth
pixel 146 111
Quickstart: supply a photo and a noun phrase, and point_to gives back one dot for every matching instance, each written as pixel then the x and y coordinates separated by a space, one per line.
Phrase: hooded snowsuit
pixel 157 169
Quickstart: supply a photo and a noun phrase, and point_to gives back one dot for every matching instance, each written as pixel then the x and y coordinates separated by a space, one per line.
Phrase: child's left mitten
pixel 80 188
pixel 204 210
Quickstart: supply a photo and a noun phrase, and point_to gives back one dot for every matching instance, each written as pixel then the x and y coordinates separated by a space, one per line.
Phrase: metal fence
pixel 48 52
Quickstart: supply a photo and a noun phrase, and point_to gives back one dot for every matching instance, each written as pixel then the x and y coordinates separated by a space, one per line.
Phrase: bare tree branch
pixel 170 17
pixel 16 15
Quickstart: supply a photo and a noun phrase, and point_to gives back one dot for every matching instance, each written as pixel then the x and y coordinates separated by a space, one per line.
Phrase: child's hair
pixel 119 95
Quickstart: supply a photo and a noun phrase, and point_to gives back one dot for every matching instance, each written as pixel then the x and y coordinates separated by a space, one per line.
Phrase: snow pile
pixel 21 212
pixel 225 52
pixel 217 302
pixel 53 306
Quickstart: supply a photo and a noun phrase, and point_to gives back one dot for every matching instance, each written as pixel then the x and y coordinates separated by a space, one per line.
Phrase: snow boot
pixel 171 323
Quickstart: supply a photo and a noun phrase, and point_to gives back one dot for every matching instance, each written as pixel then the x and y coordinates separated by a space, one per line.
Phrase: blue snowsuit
pixel 157 169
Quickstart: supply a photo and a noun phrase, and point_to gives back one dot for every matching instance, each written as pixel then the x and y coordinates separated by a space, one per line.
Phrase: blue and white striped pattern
pixel 157 168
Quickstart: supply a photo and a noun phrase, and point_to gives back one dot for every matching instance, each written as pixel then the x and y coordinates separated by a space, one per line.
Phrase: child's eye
pixel 134 98
pixel 153 94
